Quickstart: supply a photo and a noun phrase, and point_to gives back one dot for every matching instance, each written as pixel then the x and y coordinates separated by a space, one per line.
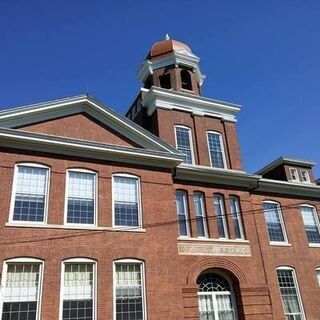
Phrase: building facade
pixel 151 215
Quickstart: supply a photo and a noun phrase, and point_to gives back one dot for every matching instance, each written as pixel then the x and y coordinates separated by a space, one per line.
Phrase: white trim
pixel 94 279
pixel 238 214
pixel 317 271
pixel 26 260
pixel 280 244
pixel 221 200
pixel 190 140
pixel 138 184
pixel 96 179
pixel 316 218
pixel 294 276
pixel 186 213
pixel 291 170
pixel 75 227
pixel 203 214
pixel 283 227
pixel 306 175
pixel 222 148
pixel 185 238
pixel 14 188
pixel 143 283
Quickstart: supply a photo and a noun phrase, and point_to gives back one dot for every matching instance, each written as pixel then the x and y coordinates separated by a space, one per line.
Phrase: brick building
pixel 151 216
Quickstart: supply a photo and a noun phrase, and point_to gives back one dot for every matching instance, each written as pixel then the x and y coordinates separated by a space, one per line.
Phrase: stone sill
pixel 73 227
pixel 181 238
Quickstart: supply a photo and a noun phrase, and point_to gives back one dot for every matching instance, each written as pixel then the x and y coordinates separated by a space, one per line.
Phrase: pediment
pixel 82 117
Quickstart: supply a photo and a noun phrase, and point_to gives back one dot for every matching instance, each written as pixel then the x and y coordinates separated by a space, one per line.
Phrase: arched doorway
pixel 216 297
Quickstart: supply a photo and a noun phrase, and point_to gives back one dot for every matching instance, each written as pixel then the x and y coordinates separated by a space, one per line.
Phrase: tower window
pixel 165 81
pixel 186 80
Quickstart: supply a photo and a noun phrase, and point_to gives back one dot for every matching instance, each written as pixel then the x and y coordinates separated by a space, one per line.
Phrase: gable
pixel 80 126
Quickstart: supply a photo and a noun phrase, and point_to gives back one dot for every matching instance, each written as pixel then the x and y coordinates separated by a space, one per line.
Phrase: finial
pixel 167 37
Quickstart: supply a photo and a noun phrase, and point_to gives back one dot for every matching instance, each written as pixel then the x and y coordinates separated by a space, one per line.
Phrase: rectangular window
pixel 200 212
pixel 294 174
pixel 30 185
pixel 182 211
pixel 78 291
pixel 126 192
pixel 311 223
pixel 184 143
pixel 289 291
pixel 81 197
pixel 318 276
pixel 21 291
pixel 236 217
pixel 275 225
pixel 129 291
pixel 305 176
pixel 216 150
pixel 220 216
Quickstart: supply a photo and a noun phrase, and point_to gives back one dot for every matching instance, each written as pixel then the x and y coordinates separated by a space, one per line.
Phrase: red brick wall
pixel 79 126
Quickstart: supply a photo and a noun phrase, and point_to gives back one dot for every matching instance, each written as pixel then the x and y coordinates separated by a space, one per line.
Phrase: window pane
pixel 182 211
pixel 289 294
pixel 81 197
pixel 274 224
pixel 30 197
pixel 200 214
pixel 78 291
pixel 129 292
pixel 215 148
pixel 20 292
pixel 236 217
pixel 310 224
pixel 220 216
pixel 126 205
pixel 184 143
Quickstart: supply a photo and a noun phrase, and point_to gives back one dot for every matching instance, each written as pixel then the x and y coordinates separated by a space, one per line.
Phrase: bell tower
pixel 171 64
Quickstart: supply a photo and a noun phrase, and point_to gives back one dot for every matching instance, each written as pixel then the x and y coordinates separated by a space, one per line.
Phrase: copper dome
pixel 167 46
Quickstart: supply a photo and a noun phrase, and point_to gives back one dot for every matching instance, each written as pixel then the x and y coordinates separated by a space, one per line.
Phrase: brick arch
pixel 215 262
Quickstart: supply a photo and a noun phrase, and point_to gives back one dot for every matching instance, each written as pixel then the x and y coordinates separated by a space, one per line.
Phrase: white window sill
pixel 182 238
pixel 280 244
pixel 314 245
pixel 73 227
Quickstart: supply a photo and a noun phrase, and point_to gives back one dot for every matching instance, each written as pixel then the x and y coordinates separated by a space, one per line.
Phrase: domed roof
pixel 166 46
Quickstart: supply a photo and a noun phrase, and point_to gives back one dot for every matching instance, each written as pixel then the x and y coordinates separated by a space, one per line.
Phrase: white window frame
pixel 190 139
pixel 95 273
pixel 316 217
pixel 140 220
pixel 317 270
pixel 143 283
pixel 203 214
pixel 22 260
pixel 283 227
pixel 239 216
pixel 296 284
pixel 223 214
pixel 303 171
pixel 14 189
pixel 296 174
pixel 95 219
pixel 222 149
pixel 187 214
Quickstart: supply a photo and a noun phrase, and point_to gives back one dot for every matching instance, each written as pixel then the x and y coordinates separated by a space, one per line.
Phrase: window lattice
pixel 184 143
pixel 274 223
pixel 182 211
pixel 216 151
pixel 212 282
pixel 31 185
pixel 81 197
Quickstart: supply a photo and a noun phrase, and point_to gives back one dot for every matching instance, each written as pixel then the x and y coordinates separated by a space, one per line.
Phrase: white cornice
pixel 79 148
pixel 175 58
pixel 18 117
pixel 158 97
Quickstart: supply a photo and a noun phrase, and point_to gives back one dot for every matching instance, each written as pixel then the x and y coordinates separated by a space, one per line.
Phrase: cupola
pixel 172 65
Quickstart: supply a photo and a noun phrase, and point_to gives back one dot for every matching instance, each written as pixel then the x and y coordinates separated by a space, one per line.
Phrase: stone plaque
pixel 214 249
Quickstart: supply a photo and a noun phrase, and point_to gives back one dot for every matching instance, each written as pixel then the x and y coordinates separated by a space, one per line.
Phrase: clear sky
pixel 264 55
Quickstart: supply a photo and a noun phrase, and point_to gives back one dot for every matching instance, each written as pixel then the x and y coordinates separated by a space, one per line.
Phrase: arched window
pixel 186 80
pixel 215 295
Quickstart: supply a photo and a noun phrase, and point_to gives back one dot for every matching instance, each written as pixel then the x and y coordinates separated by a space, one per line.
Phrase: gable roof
pixel 11 119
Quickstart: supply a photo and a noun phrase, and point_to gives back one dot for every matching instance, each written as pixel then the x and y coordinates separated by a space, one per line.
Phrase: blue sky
pixel 263 55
